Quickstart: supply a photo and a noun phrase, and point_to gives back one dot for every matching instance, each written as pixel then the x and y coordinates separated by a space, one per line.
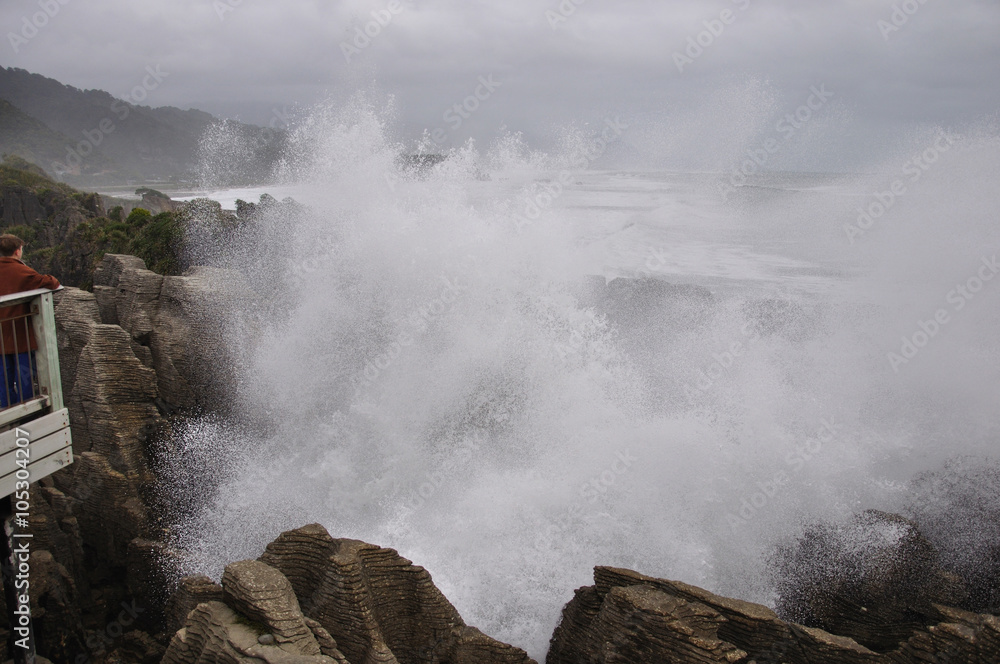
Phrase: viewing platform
pixel 35 442
pixel 35 439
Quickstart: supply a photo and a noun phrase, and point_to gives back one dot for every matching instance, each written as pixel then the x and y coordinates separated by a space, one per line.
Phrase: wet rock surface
pixel 875 579
pixel 323 599
pixel 178 319
pixel 259 619
pixel 957 508
pixel 629 617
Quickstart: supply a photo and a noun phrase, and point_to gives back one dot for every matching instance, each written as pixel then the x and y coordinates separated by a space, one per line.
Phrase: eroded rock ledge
pixel 628 617
pixel 315 599
pixel 311 598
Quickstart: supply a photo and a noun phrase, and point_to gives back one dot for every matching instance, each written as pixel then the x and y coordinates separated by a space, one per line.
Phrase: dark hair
pixel 9 244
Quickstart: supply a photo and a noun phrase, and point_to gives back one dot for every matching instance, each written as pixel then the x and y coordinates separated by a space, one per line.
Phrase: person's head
pixel 11 245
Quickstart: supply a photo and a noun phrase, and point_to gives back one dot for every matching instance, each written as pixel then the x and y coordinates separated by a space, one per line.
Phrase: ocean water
pixel 429 361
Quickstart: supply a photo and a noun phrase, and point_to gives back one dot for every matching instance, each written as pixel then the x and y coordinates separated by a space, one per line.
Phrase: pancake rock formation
pixel 628 617
pixel 313 598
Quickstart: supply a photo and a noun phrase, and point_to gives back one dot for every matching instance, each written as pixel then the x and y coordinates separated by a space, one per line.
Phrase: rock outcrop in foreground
pixel 315 599
pixel 628 617
pixel 875 579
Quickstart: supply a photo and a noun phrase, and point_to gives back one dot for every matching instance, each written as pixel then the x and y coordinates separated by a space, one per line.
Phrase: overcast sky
pixel 933 62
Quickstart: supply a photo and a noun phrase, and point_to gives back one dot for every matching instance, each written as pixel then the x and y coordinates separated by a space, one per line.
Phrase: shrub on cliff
pixel 159 242
pixel 69 232
pixel 18 172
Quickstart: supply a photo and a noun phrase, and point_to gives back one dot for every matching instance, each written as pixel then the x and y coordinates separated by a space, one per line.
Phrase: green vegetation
pixel 158 240
pixel 26 233
pixel 67 232
pixel 16 172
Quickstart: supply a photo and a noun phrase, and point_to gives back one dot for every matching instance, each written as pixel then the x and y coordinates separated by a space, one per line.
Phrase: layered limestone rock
pixel 190 592
pixel 264 595
pixel 84 517
pixel 111 399
pixel 317 596
pixel 127 356
pixel 629 617
pixel 643 624
pixel 259 620
pixel 377 604
pixel 179 321
pixel 120 377
pixel 216 633
pixel 959 637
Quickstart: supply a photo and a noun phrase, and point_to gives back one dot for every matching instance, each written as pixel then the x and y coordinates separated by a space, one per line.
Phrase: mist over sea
pixel 431 360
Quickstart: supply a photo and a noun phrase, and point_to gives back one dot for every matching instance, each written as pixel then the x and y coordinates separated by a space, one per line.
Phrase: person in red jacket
pixel 17 335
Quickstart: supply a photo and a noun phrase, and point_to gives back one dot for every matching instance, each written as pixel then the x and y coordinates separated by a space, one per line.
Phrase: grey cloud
pixel 938 68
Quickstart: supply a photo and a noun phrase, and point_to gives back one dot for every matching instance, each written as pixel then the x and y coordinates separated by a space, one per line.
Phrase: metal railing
pixel 34 423
pixel 35 442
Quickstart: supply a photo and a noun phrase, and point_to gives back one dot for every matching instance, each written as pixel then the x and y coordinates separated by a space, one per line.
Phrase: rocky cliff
pixel 67 231
pixel 130 365
pixel 328 600
pixel 628 617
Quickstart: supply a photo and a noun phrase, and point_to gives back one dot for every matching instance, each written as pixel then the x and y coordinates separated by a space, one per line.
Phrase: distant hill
pixel 27 137
pixel 90 138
